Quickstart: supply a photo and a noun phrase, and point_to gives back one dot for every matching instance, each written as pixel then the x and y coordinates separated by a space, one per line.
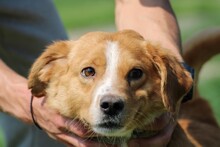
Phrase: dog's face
pixel 113 82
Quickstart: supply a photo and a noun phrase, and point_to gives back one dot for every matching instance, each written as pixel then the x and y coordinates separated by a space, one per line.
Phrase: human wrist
pixel 153 19
pixel 14 94
pixel 20 107
pixel 16 98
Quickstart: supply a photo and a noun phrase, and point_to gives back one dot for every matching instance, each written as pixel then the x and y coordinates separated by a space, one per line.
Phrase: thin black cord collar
pixel 32 113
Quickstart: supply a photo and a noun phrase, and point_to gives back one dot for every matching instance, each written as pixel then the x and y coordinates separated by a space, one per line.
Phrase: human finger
pixel 159 140
pixel 77 141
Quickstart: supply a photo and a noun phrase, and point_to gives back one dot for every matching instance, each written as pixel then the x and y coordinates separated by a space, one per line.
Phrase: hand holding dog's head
pixel 113 82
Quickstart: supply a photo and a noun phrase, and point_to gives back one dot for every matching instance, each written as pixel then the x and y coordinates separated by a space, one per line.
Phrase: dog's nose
pixel 111 105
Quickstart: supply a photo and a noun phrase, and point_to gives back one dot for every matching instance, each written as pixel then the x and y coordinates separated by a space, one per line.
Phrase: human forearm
pixel 153 19
pixel 14 95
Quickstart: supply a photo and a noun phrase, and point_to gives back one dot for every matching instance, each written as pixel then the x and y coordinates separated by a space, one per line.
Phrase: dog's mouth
pixel 114 133
pixel 109 133
pixel 116 140
pixel 107 128
pixel 110 125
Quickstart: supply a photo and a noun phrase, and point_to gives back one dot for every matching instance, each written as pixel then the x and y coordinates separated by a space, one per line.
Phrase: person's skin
pixel 153 19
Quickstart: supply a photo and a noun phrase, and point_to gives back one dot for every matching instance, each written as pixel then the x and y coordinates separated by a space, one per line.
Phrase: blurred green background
pixel 81 16
pixel 98 14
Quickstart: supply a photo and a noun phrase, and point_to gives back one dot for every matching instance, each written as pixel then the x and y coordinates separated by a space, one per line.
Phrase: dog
pixel 114 83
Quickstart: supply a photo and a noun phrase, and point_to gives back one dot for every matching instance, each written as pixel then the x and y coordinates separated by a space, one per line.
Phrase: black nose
pixel 111 105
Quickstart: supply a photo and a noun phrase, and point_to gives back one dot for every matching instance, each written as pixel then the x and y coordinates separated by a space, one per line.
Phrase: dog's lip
pixel 109 125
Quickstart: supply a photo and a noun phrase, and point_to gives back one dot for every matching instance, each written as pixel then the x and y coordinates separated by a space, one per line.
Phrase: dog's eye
pixel 88 72
pixel 135 74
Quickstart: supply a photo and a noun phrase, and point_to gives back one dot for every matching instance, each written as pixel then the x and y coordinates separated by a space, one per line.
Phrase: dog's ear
pixel 55 55
pixel 175 80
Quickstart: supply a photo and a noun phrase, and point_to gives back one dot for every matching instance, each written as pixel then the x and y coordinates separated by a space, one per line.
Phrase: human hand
pixel 69 131
pixel 166 126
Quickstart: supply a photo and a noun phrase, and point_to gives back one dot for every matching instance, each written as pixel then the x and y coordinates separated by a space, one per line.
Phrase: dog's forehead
pixel 95 48
pixel 126 41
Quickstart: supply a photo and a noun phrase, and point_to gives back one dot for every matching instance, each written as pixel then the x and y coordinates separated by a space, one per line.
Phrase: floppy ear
pixel 55 55
pixel 175 80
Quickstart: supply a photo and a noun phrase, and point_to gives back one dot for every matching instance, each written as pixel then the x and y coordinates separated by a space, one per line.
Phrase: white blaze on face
pixel 112 57
pixel 106 85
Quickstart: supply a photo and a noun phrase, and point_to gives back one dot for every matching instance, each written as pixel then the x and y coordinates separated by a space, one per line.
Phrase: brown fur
pixel 196 117
pixel 56 75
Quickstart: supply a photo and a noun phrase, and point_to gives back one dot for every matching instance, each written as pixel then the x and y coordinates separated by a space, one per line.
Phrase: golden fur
pixel 57 75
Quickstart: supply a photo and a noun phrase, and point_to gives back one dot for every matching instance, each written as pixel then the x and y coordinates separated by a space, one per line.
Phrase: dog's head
pixel 113 82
